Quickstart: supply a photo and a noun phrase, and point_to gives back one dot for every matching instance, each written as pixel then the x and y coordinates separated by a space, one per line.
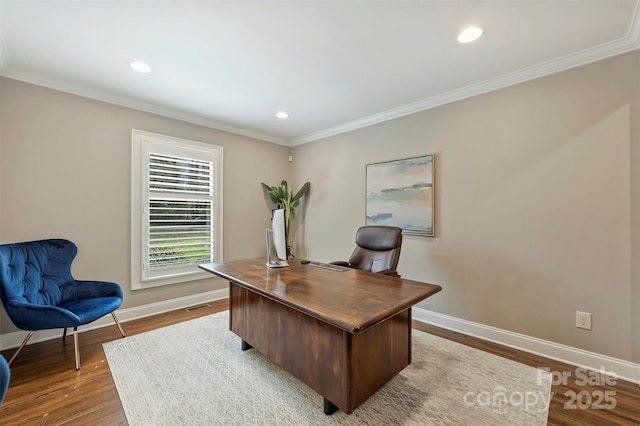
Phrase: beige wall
pixel 538 197
pixel 2 318
pixel 534 189
pixel 634 300
pixel 65 172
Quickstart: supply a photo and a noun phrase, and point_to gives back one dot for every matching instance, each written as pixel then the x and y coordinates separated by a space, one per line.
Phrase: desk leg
pixel 246 346
pixel 329 407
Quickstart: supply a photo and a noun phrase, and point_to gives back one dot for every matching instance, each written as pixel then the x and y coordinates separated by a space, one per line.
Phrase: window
pixel 176 214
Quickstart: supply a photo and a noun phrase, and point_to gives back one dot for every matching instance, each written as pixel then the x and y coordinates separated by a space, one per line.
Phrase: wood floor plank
pixel 564 409
pixel 46 389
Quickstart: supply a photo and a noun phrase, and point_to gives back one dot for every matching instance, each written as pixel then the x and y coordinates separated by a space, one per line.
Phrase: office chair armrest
pixel 341 263
pixel 389 272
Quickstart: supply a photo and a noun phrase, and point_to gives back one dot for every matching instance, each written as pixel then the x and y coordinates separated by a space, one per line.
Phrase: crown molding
pixel 574 60
pixel 138 105
pixel 577 59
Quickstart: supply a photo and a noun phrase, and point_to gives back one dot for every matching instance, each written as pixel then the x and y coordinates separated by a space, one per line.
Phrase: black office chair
pixel 377 250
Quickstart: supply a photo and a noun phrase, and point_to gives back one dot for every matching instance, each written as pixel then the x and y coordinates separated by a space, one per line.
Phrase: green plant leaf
pixel 278 192
pixel 283 195
pixel 271 192
pixel 302 192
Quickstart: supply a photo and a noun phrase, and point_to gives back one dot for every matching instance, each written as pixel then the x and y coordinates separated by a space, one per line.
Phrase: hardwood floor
pixel 584 398
pixel 45 388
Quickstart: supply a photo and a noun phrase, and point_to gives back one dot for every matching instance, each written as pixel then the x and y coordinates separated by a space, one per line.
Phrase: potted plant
pixel 282 196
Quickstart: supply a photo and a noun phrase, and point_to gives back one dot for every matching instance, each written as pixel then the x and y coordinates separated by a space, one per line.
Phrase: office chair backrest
pixel 377 248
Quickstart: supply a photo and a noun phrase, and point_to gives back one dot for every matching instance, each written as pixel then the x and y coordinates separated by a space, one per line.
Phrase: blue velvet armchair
pixel 39 292
pixel 5 374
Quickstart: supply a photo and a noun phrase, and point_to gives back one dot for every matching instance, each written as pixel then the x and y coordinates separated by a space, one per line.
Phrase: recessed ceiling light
pixel 140 66
pixel 470 34
pixel 282 114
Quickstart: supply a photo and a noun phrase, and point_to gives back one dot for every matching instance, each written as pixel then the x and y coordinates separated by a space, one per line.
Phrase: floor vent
pixel 197 307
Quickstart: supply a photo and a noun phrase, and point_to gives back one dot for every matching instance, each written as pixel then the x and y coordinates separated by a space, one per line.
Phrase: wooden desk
pixel 344 334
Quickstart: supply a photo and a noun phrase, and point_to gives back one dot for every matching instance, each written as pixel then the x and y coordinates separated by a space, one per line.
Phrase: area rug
pixel 195 373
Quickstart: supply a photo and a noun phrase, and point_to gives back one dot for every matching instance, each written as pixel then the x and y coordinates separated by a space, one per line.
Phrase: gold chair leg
pixel 24 342
pixel 64 334
pixel 115 318
pixel 75 345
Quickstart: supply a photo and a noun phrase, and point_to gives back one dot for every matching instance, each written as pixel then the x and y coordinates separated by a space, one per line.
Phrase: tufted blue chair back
pixel 39 293
pixel 38 272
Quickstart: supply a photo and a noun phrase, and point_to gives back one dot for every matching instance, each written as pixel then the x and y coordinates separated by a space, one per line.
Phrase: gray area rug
pixel 194 373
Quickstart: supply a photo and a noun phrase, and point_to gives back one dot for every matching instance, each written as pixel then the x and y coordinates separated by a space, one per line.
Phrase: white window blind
pixel 180 212
pixel 180 217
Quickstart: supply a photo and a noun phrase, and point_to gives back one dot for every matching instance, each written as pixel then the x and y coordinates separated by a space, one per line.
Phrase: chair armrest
pixel 389 272
pixel 27 316
pixel 92 289
pixel 341 263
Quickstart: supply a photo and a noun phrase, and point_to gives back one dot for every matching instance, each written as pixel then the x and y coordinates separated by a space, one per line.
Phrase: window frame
pixel 142 144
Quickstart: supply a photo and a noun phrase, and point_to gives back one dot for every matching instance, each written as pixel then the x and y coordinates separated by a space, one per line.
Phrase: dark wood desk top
pixel 352 300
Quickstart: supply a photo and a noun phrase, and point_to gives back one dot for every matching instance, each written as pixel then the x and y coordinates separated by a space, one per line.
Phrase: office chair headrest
pixel 379 237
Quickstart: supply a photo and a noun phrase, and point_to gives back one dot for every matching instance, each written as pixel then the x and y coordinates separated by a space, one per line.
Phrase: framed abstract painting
pixel 401 193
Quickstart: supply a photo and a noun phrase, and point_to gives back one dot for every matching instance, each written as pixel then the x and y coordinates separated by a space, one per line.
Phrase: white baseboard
pixel 622 369
pixel 625 370
pixel 13 340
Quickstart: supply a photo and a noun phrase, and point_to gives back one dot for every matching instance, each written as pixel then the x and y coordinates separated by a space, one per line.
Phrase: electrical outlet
pixel 583 320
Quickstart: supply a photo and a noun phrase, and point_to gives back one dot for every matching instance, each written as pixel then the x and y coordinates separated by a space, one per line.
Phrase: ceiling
pixel 334 66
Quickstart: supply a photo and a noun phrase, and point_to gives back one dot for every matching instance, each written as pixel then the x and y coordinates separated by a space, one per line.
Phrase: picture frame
pixel 402 193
